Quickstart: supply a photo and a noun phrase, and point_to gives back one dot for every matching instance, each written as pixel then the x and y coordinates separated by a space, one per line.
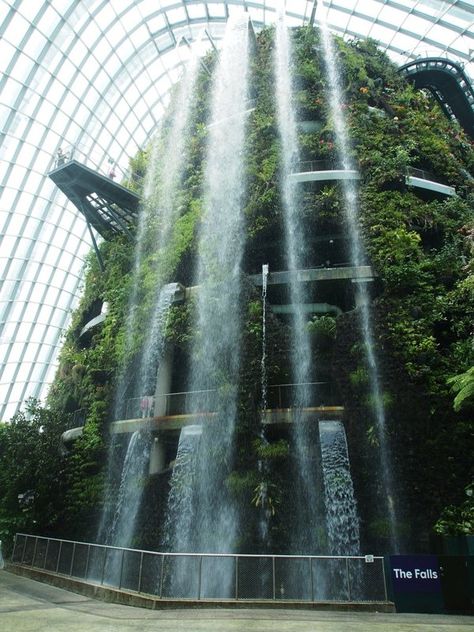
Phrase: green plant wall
pixel 421 249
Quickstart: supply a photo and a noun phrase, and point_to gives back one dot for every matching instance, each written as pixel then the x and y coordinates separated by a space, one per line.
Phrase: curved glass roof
pixel 93 77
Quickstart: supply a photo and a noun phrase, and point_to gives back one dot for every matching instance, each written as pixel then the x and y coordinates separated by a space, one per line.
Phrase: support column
pixel 157 456
pixel 163 383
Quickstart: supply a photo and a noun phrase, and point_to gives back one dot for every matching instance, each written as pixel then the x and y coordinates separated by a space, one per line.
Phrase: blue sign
pixel 415 574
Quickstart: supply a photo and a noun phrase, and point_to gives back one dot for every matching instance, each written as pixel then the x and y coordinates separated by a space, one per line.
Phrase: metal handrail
pixel 96 162
pixel 78 419
pixel 148 405
pixel 425 175
pixel 317 165
pixel 72 558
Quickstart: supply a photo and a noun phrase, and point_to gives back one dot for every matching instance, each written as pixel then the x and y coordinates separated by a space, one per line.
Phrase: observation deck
pixel 448 83
pixel 107 206
pixel 321 171
pixel 337 273
pixel 179 409
pixel 425 180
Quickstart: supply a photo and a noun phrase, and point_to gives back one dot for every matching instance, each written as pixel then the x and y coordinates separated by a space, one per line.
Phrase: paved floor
pixel 29 606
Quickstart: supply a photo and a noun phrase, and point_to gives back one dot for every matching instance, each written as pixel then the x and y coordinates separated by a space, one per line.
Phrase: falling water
pixel 155 345
pixel 158 213
pixel 263 362
pixel 357 259
pixel 156 219
pixel 262 490
pixel 303 534
pixel 180 503
pixel 213 525
pixel 130 491
pixel 341 509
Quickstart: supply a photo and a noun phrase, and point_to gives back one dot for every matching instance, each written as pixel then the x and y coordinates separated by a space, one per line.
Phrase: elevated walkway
pixel 316 274
pixel 426 180
pixel 320 171
pixel 170 423
pixel 448 83
pixel 106 205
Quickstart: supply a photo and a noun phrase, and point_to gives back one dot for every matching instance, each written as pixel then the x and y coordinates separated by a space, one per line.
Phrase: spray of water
pixel 304 532
pixel 262 490
pixel 212 525
pixel 341 509
pixel 357 259
pixel 156 220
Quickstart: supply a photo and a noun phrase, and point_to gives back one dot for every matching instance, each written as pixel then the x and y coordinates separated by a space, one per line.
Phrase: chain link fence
pixel 207 576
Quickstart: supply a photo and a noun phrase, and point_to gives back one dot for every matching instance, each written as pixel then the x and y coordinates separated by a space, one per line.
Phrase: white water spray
pixel 357 259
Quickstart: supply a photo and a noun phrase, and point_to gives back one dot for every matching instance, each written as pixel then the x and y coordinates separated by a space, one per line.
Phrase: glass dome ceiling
pixel 93 77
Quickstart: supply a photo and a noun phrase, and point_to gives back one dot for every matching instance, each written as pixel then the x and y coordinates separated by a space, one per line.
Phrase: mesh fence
pixel 207 576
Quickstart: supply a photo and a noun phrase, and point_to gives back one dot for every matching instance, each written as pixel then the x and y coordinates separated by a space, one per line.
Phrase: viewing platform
pixel 320 171
pixel 178 410
pixel 426 180
pixel 336 273
pixel 106 205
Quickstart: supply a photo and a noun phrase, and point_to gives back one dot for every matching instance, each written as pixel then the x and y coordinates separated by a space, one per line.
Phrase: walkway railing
pixel 311 394
pixel 78 418
pixel 208 576
pixel 316 165
pixel 425 175
pixel 95 160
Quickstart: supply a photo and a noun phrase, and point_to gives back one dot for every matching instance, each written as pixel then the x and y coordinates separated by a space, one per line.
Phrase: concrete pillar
pixel 163 383
pixel 157 456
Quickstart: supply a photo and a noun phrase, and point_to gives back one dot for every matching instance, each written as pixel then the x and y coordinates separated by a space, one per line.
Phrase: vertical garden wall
pixel 420 246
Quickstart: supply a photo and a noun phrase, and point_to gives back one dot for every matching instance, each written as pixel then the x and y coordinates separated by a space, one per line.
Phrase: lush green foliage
pixel 421 248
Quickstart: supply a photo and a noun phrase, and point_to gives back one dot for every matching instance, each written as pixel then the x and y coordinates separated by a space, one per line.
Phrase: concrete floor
pixel 30 606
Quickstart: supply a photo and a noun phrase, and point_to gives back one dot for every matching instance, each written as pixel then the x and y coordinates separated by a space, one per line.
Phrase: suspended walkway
pixel 321 171
pixel 448 83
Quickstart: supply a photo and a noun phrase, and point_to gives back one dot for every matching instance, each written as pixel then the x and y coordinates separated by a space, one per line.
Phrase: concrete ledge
pixel 112 595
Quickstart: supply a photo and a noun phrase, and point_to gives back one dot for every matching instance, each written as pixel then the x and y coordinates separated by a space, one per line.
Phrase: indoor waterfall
pixel 341 509
pixel 212 523
pixel 262 490
pixel 157 215
pixel 304 538
pixel 351 207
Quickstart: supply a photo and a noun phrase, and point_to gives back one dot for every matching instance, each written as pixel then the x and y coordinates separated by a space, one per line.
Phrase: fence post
pixel 34 552
pixel 103 565
pixel 46 554
pixel 348 580
pixel 59 555
pixel 14 547
pixel 140 570
pixel 24 549
pixel 236 578
pixel 162 575
pixel 200 577
pixel 311 577
pixel 72 559
pixel 274 578
pixel 384 579
pixel 121 569
pixel 86 572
